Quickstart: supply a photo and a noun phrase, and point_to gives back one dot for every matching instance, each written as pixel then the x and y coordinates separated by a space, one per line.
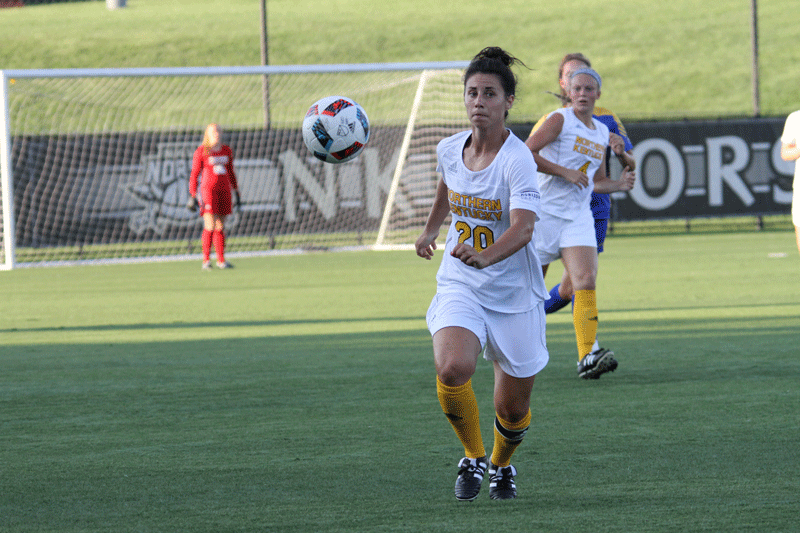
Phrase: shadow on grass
pixel 212 324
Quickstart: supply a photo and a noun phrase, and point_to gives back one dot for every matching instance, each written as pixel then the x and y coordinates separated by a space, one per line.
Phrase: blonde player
pixel 561 294
pixel 490 285
pixel 569 149
pixel 213 164
pixel 619 144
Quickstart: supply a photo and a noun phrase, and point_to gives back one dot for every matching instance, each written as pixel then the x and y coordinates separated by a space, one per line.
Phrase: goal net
pixel 94 163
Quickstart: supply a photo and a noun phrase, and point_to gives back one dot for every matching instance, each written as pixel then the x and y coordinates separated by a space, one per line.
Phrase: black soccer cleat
pixel 470 477
pixel 593 365
pixel 501 482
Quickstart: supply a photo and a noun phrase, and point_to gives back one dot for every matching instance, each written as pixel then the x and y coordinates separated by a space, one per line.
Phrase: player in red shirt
pixel 215 161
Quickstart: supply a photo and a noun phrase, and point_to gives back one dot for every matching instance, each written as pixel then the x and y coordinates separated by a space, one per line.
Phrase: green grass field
pixel 659 59
pixel 305 399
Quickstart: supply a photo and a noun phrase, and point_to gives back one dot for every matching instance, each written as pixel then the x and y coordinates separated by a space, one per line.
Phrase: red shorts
pixel 216 200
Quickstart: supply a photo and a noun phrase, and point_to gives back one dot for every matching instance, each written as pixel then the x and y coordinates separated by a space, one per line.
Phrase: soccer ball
pixel 335 129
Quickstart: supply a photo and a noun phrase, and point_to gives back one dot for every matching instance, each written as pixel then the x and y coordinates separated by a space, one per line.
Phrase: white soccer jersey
pixel 577 147
pixel 791 134
pixel 480 207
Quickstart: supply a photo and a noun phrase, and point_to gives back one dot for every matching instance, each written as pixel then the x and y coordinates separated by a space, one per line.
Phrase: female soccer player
pixel 619 143
pixel 215 161
pixel 490 286
pixel 569 147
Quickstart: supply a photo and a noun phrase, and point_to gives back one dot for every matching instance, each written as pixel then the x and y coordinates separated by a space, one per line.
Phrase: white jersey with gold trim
pixel 577 147
pixel 480 207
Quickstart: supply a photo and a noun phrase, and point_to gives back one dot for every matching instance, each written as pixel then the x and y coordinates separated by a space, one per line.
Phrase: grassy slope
pixel 665 59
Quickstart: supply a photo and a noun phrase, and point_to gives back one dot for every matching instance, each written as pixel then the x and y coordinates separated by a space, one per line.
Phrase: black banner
pixel 133 187
pixel 704 169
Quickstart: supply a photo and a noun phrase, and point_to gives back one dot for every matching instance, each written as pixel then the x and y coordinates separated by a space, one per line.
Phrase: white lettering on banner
pixel 682 170
pixel 160 186
pixel 294 170
pixel 675 171
pixel 719 172
pixel 296 173
pixel 725 160
pixel 723 172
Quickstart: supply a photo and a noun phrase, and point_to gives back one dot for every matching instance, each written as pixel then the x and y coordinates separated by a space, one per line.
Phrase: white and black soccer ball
pixel 335 129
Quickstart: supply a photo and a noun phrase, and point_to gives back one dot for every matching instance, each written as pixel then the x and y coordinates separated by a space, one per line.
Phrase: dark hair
pixel 576 56
pixel 495 60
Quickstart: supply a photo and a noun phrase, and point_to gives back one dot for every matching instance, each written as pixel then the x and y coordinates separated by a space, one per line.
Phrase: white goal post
pixel 94 163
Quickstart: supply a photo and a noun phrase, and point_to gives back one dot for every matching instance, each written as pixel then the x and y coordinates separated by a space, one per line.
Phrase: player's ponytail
pixel 495 60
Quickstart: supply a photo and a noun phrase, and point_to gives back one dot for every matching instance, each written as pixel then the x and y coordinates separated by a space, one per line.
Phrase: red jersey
pixel 217 178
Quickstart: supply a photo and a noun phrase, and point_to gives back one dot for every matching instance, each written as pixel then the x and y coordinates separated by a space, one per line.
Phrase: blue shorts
pixel 600 227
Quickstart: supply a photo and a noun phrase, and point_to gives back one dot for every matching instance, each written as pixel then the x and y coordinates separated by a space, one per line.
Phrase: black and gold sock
pixel 507 436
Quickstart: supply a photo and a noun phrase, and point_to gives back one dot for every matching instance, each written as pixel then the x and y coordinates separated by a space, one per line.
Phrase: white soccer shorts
pixel 516 341
pixel 553 234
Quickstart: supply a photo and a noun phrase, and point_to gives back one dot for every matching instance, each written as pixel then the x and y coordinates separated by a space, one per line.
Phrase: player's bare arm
pixel 605 185
pixel 511 241
pixel 790 151
pixel 546 134
pixel 617 145
pixel 426 243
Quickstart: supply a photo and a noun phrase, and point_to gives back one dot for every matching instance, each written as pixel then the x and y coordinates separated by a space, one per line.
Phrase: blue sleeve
pixel 613 127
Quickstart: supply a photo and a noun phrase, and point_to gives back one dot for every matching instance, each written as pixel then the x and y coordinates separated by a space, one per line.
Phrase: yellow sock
pixel 461 409
pixel 507 437
pixel 584 316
